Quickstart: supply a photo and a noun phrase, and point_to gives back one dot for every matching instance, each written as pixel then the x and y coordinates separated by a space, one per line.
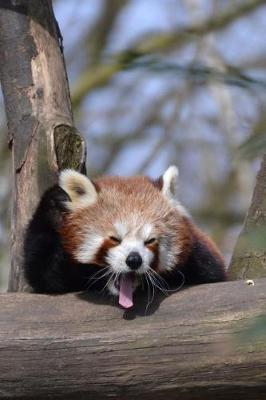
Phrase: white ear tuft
pixel 80 189
pixel 170 182
pixel 169 189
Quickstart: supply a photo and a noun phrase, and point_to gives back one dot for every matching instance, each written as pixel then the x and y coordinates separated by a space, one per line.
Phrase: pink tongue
pixel 126 291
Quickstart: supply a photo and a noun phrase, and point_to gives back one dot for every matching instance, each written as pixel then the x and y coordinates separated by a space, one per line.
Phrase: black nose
pixel 134 260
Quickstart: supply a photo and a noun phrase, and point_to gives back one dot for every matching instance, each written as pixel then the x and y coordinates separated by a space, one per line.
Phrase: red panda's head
pixel 126 224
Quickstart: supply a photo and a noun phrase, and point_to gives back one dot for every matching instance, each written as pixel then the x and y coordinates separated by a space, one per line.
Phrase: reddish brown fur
pixel 158 183
pixel 119 199
pixel 154 247
pixel 186 238
pixel 204 238
pixel 99 258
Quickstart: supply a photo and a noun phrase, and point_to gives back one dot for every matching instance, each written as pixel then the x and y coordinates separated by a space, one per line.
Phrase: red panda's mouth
pixel 124 284
pixel 130 275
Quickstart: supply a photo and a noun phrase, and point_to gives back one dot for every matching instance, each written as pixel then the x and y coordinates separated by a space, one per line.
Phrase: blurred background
pixel 156 83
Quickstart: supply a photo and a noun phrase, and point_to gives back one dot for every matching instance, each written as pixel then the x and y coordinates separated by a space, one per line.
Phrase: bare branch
pixel 100 75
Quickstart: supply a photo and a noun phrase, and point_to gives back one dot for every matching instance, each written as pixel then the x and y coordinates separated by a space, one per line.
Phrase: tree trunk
pixel 40 122
pixel 193 345
pixel 249 258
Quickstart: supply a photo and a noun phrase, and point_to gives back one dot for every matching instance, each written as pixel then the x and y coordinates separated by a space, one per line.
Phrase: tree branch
pixel 249 259
pixel 38 109
pixel 100 75
pixel 188 346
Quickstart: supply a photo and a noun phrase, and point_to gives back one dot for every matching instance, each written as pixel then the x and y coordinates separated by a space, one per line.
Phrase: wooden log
pixel 188 346
pixel 42 137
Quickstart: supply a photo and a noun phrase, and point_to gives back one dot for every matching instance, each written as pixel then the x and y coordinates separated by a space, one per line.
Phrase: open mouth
pixel 125 285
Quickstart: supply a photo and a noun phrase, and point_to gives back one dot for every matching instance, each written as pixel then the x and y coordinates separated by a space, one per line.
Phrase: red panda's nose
pixel 134 260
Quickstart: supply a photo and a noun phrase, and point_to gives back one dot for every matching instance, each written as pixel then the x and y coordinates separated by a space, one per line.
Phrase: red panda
pixel 119 231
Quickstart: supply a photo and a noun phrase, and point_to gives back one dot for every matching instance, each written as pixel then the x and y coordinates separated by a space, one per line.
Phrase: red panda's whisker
pixel 94 278
pixel 183 279
pixel 97 278
pixel 149 282
pixel 107 283
pixel 166 291
pixel 94 281
pixel 153 291
pixel 98 272
pixel 160 278
pixel 113 274
pixel 159 286
pixel 155 283
pixel 148 290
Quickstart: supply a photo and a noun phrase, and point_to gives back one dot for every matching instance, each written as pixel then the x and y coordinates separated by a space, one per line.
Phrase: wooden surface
pixel 38 108
pixel 191 345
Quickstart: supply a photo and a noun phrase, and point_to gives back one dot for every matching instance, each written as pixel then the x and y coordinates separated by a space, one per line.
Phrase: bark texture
pixel 249 258
pixel 38 109
pixel 189 346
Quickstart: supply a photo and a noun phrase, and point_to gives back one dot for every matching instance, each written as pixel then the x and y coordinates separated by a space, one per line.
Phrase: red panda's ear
pixel 169 186
pixel 169 189
pixel 80 189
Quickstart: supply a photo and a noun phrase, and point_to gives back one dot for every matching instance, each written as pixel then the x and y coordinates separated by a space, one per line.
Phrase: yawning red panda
pixel 116 234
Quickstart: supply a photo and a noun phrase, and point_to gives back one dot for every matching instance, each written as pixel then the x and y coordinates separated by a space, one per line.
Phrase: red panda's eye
pixel 150 241
pixel 115 239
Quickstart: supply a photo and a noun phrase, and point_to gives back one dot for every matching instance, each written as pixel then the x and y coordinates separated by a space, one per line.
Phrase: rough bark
pixel 189 346
pixel 249 258
pixel 38 109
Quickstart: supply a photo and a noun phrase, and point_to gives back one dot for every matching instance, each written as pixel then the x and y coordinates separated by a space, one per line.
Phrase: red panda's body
pixel 124 231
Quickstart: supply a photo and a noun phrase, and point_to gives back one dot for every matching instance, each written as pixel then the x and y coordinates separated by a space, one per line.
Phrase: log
pixel 187 346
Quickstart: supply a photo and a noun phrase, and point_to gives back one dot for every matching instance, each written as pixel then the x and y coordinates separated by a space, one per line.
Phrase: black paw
pixel 52 206
pixel 55 199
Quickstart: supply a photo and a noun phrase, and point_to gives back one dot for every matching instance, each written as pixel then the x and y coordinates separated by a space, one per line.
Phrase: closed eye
pixel 115 239
pixel 150 241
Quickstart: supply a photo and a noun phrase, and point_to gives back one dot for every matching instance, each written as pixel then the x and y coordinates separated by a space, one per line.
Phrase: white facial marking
pixel 133 239
pixel 117 256
pixel 121 229
pixel 167 255
pixel 112 289
pixel 87 251
pixel 146 231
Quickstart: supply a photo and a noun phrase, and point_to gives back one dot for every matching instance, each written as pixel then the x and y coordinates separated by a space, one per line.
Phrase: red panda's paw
pixel 52 206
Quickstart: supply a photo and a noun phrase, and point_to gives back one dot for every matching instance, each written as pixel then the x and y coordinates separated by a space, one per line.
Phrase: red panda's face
pixel 128 225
